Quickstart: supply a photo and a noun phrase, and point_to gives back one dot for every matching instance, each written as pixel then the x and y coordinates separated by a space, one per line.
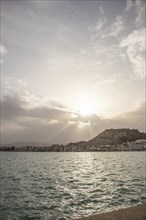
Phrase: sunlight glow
pixel 85 110
pixel 85 104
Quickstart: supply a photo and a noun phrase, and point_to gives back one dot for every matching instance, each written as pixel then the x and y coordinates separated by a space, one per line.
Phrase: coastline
pixel 133 213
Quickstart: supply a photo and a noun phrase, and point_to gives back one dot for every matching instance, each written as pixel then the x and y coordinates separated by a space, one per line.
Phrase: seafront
pixel 133 213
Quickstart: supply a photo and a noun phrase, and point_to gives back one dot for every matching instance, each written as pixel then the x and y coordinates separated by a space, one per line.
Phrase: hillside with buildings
pixel 116 136
pixel 108 140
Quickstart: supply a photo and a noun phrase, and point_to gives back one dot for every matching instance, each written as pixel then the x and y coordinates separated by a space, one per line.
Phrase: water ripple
pixel 61 186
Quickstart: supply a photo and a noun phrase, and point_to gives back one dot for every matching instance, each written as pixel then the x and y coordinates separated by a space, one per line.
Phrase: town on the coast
pixel 108 140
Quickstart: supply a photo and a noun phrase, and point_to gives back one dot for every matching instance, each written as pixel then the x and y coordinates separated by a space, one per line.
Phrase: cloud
pixel 55 123
pixel 11 107
pixel 135 47
pixel 117 27
pixel 140 12
pixel 3 51
pixel 138 7
pixel 104 31
pixel 16 106
pixel 22 82
pixel 133 119
pixel 20 122
pixel 97 30
pixel 129 4
pixel 101 10
pixel 100 24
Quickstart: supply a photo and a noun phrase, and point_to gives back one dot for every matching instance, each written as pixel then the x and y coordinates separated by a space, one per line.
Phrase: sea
pixel 69 185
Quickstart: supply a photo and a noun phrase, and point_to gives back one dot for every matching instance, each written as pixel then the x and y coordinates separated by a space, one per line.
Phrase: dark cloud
pixel 133 119
pixel 11 107
pixel 14 106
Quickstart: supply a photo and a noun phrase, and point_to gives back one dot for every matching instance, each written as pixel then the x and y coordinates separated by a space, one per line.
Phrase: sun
pixel 85 104
pixel 85 110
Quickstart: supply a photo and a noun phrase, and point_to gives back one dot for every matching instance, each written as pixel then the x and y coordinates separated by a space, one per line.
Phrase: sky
pixel 70 69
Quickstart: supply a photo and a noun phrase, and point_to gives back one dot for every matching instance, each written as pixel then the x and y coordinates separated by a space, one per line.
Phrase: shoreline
pixel 132 213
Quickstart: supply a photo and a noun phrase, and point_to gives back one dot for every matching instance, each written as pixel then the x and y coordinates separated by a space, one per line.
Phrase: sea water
pixel 68 185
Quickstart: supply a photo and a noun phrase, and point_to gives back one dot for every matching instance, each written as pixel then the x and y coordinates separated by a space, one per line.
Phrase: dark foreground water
pixel 55 186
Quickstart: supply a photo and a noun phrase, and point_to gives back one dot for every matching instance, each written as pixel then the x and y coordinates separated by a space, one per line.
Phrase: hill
pixel 116 136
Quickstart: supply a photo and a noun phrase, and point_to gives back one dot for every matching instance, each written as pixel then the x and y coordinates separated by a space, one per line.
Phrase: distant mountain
pixel 116 136
pixel 24 144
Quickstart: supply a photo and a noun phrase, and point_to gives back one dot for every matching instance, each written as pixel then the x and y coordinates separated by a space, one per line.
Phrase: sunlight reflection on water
pixel 69 185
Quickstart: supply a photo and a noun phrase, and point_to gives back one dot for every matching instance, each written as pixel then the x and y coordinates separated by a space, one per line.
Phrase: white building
pixel 138 145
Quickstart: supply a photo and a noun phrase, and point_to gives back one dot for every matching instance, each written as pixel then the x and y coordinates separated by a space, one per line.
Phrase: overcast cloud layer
pixel 58 55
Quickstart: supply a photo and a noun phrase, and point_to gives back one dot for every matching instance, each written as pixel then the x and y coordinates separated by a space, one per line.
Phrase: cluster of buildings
pixel 138 145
